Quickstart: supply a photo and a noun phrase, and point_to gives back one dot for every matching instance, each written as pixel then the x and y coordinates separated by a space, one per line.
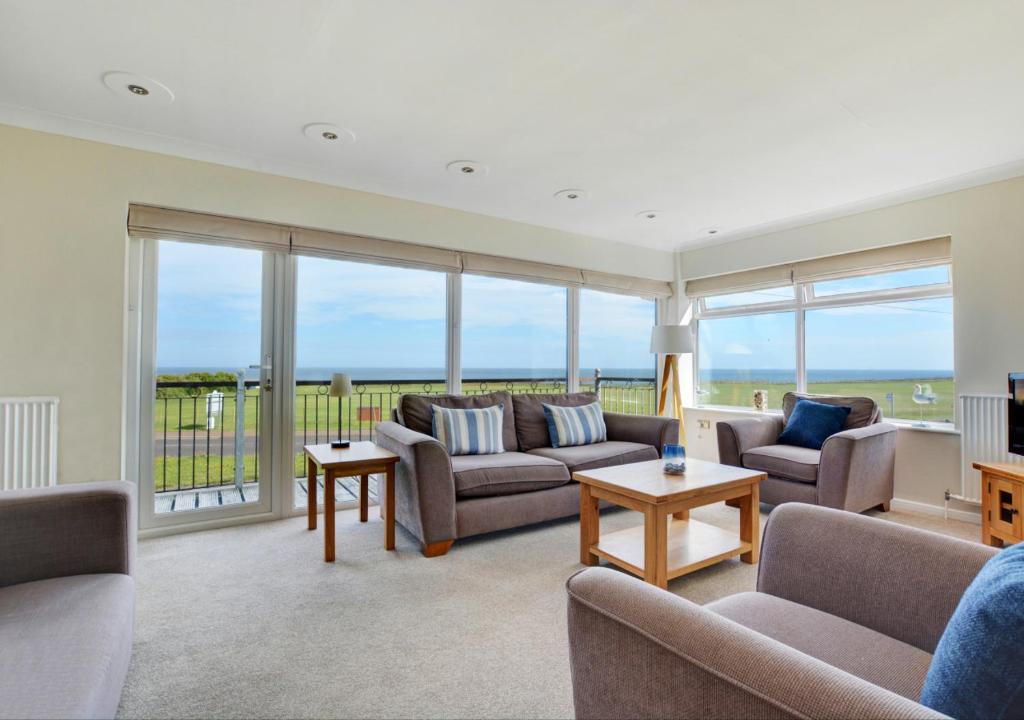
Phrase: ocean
pixel 765 375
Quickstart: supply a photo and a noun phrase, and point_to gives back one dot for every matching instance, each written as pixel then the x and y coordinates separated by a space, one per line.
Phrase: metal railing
pixel 207 433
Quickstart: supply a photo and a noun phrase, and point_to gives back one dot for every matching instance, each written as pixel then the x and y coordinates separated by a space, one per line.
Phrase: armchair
pixel 852 471
pixel 847 613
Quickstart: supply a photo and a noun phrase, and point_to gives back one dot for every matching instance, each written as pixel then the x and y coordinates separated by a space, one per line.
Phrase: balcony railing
pixel 207 434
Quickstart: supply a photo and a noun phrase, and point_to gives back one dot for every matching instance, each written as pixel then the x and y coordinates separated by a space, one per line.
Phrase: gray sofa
pixel 439 498
pixel 852 471
pixel 847 613
pixel 67 599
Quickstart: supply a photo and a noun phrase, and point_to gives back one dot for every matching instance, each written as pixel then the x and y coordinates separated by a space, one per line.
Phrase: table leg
pixel 364 492
pixel 590 525
pixel 750 524
pixel 311 492
pixel 389 502
pixel 681 515
pixel 656 547
pixel 329 516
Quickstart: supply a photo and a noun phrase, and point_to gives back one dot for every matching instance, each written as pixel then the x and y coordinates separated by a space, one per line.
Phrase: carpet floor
pixel 249 622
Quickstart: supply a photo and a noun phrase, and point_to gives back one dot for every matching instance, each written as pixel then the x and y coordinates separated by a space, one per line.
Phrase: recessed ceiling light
pixel 328 134
pixel 648 215
pixel 467 168
pixel 571 194
pixel 137 87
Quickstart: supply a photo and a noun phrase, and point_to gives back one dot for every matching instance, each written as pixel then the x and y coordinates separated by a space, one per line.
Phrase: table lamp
pixel 341 387
pixel 671 341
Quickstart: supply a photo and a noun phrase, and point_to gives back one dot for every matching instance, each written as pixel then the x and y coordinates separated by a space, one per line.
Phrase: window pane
pixel 891 352
pixel 916 277
pixel 512 330
pixel 752 297
pixel 739 355
pixel 615 338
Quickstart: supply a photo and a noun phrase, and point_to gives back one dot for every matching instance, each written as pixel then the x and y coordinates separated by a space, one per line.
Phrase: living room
pixel 352 351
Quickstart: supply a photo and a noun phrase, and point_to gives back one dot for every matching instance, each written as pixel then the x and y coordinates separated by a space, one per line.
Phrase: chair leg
pixel 884 507
pixel 437 549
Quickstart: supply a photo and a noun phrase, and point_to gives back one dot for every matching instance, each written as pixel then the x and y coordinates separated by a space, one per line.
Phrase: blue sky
pixel 353 315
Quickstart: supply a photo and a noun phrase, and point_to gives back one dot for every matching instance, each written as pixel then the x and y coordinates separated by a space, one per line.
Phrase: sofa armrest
pixel 647 429
pixel 639 652
pixel 857 467
pixel 735 437
pixel 901 581
pixel 74 529
pixel 424 484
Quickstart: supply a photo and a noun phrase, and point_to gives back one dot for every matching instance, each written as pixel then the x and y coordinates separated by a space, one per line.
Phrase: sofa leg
pixel 884 507
pixel 735 502
pixel 437 549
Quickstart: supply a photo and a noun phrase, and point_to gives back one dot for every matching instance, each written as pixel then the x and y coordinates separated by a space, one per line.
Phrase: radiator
pixel 983 438
pixel 28 442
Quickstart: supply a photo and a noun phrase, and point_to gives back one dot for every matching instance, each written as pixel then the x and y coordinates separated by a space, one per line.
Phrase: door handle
pixel 265 370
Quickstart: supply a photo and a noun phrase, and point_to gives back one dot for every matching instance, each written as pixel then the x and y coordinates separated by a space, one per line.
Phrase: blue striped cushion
pixel 469 432
pixel 580 425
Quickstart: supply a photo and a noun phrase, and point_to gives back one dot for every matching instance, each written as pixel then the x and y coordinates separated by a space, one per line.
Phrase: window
pixel 512 330
pixel 890 352
pixel 739 355
pixel 887 335
pixel 614 346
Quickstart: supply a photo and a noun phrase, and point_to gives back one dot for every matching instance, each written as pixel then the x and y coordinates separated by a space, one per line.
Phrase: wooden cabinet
pixel 1002 502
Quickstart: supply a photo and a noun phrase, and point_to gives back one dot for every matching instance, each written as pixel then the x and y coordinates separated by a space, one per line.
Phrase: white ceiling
pixel 729 114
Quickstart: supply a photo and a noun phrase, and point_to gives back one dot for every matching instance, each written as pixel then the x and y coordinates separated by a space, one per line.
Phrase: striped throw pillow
pixel 469 432
pixel 581 425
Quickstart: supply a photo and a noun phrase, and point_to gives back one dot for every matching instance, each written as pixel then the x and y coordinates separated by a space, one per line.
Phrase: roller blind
pixel 167 223
pixel 891 257
pixel 156 222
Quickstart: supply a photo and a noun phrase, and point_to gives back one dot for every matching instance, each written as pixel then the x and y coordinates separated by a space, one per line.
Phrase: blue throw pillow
pixel 978 667
pixel 475 431
pixel 812 423
pixel 579 425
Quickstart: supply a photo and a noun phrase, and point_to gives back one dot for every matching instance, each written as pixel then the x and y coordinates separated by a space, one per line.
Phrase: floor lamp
pixel 671 341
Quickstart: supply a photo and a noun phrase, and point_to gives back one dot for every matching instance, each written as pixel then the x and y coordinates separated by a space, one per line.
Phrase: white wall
pixel 986 224
pixel 63 208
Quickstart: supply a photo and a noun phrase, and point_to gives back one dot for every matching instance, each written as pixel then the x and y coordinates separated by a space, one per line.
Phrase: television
pixel 1015 414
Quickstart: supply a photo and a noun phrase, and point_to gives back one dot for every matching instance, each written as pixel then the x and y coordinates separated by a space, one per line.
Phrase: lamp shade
pixel 341 385
pixel 671 339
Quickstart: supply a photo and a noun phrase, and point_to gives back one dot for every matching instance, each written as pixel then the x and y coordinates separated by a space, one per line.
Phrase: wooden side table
pixel 1002 502
pixel 360 458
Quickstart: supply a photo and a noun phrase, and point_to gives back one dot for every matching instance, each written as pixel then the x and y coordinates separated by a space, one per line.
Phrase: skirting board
pixel 971 516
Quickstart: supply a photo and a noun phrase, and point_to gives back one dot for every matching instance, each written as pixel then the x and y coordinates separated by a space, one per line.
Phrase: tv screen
pixel 1016 413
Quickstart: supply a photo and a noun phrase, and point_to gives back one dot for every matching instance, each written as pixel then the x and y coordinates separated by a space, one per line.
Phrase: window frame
pixel 805 300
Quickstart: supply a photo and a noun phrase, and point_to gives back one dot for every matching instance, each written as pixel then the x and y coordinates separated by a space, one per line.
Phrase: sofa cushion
pixel 978 670
pixel 65 644
pixel 860 651
pixel 580 425
pixel 588 457
pixel 505 474
pixel 812 423
pixel 531 422
pixel 416 412
pixel 863 410
pixel 469 432
pixel 785 461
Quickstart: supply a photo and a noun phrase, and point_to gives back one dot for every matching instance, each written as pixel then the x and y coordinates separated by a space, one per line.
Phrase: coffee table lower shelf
pixel 692 545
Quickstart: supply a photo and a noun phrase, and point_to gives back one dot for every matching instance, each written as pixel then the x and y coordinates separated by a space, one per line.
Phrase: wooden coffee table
pixel 668 544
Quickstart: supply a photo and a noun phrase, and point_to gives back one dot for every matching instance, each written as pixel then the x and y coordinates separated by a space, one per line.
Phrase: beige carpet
pixel 250 622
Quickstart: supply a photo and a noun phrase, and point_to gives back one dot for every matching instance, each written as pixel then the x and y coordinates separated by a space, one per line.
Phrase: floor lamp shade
pixel 672 341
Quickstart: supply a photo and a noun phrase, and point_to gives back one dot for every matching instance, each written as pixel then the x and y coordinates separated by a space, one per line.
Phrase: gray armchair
pixel 847 614
pixel 852 471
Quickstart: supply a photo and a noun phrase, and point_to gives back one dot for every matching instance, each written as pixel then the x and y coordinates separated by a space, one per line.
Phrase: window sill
pixel 933 427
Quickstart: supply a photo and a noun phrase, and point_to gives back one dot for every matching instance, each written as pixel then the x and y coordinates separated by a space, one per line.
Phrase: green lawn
pixel 741 394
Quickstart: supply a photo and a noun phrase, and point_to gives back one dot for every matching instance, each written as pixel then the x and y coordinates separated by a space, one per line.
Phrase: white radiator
pixel 28 442
pixel 984 437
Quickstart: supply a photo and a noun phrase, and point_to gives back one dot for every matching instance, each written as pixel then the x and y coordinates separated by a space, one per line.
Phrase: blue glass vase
pixel 673 458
